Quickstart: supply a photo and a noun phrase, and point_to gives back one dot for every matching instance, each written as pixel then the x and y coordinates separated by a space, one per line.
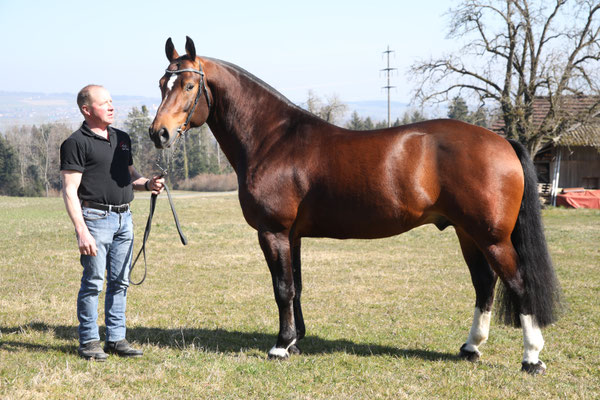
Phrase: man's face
pixel 101 111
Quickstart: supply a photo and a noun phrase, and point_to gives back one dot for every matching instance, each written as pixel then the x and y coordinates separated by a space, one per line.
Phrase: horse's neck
pixel 248 118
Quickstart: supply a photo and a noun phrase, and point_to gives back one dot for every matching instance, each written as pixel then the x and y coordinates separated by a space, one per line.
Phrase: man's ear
pixel 85 110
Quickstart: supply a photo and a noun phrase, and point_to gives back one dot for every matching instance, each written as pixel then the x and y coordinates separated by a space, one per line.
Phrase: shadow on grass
pixel 217 340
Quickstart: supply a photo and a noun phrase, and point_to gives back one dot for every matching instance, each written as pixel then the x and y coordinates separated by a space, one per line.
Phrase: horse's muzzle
pixel 161 138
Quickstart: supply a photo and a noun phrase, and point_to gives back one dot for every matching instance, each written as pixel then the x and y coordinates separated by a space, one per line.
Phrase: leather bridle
pixel 201 88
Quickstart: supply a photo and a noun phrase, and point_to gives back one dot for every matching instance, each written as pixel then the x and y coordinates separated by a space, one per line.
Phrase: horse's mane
pixel 257 81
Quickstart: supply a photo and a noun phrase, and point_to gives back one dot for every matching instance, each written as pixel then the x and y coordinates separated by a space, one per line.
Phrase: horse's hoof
pixel 277 353
pixel 280 353
pixel 294 350
pixel 538 368
pixel 472 356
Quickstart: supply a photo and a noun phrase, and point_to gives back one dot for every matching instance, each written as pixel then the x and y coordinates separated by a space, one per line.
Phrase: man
pixel 98 181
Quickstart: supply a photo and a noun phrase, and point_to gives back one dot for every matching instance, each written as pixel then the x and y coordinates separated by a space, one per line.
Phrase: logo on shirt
pixel 124 146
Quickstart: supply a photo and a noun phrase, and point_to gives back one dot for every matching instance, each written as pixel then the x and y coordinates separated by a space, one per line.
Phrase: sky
pixel 329 47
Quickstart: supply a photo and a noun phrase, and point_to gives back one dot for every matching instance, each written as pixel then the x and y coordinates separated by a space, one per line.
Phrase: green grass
pixel 385 318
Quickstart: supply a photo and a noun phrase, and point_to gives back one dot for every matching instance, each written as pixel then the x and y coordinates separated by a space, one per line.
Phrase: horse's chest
pixel 268 205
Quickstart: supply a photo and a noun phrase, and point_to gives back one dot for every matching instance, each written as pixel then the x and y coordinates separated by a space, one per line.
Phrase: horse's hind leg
pixel 503 258
pixel 484 280
pixel 277 250
pixel 299 319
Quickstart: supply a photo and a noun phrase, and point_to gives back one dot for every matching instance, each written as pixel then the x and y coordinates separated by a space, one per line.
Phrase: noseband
pixel 201 86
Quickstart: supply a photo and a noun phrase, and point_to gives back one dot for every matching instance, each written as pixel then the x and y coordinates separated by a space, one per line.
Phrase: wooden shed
pixel 571 162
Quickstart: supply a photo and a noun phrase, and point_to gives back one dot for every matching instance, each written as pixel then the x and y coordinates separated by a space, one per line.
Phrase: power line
pixel 388 71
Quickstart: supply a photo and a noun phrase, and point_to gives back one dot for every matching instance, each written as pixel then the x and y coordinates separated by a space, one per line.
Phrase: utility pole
pixel 388 70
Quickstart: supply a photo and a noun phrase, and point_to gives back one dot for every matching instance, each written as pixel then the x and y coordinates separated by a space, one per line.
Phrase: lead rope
pixel 182 237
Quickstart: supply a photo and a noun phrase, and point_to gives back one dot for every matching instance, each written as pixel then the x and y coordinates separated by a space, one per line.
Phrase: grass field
pixel 385 318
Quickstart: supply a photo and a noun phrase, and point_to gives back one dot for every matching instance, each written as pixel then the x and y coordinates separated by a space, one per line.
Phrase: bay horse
pixel 300 176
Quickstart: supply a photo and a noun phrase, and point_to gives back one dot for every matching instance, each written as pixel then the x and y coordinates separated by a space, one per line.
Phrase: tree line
pixel 30 156
pixel 458 109
pixel 29 159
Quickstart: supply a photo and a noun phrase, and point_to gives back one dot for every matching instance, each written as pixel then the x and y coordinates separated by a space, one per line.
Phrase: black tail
pixel 542 291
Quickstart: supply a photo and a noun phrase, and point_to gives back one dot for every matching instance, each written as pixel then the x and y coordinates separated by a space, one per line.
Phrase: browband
pixel 185 70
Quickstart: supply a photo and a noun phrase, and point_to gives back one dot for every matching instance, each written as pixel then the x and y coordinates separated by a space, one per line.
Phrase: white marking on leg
pixel 171 82
pixel 479 330
pixel 533 342
pixel 280 352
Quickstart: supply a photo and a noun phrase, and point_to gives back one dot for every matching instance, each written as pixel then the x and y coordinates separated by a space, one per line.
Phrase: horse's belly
pixel 353 232
pixel 343 221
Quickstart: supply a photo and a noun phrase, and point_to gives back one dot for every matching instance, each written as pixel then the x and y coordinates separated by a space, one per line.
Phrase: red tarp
pixel 586 199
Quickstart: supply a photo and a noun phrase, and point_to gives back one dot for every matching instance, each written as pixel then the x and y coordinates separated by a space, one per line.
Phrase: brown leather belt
pixel 106 207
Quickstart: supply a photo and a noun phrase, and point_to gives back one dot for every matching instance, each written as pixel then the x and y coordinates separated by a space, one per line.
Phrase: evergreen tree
pixel 197 157
pixel 143 150
pixel 417 116
pixel 356 123
pixel 458 109
pixel 9 178
pixel 410 118
pixel 381 125
pixel 35 186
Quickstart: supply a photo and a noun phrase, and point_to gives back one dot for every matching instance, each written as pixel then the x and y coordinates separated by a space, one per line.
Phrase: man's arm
pixel 156 184
pixel 85 241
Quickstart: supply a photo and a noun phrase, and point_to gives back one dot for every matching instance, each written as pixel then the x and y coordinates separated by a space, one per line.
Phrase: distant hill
pixel 22 108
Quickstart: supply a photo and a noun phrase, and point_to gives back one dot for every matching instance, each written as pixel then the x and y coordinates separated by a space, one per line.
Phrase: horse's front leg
pixel 277 251
pixel 298 318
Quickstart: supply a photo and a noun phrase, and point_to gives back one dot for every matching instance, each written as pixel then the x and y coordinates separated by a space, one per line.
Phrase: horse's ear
pixel 170 50
pixel 190 49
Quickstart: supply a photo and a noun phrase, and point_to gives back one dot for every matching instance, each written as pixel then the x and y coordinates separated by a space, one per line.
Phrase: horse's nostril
pixel 164 135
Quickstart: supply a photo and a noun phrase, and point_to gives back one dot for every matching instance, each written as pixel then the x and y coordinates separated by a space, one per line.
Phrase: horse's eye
pixel 189 86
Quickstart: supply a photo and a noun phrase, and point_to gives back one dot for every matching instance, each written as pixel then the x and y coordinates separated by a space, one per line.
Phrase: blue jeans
pixel 114 240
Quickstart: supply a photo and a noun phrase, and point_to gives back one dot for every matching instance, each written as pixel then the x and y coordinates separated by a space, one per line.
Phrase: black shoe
pixel 122 348
pixel 92 351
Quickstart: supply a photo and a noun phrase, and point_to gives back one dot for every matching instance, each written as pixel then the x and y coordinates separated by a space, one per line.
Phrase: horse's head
pixel 185 98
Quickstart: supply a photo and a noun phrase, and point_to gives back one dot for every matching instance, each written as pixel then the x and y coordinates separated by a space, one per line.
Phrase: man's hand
pixel 156 184
pixel 87 243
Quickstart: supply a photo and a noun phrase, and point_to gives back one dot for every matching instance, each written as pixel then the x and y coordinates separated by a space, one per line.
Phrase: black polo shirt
pixel 104 164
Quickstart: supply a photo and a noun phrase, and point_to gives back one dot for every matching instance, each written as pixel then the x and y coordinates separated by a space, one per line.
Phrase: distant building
pixel 571 161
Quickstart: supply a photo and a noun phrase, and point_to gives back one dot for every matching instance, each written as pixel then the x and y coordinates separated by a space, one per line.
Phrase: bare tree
pixel 37 154
pixel 516 52
pixel 331 111
pixel 20 139
pixel 46 141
